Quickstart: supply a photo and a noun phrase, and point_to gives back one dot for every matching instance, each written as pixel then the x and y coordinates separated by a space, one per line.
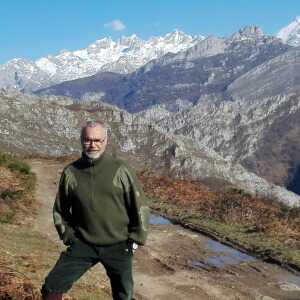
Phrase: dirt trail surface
pixel 178 263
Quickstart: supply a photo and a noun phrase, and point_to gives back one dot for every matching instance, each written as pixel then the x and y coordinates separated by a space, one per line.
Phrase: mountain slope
pixel 45 126
pixel 277 76
pixel 261 134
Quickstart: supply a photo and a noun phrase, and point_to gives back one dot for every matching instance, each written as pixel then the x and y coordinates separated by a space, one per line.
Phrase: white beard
pixel 92 155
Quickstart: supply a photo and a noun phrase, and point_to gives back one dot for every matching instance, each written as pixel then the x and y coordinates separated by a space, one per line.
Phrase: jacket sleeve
pixel 62 216
pixel 136 205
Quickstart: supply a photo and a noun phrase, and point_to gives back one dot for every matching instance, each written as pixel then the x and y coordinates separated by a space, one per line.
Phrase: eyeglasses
pixel 96 141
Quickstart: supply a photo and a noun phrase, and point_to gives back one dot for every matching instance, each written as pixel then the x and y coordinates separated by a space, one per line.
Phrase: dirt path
pixel 179 264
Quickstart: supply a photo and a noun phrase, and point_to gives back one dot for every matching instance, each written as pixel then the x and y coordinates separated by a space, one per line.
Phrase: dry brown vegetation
pixel 16 200
pixel 16 188
pixel 260 225
pixel 26 255
pixel 14 288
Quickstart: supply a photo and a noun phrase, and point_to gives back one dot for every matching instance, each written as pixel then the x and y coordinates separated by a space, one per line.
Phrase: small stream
pixel 222 255
pixel 159 220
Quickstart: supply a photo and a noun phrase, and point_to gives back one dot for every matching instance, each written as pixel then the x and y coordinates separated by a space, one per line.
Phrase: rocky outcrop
pixel 45 126
pixel 188 161
pixel 261 134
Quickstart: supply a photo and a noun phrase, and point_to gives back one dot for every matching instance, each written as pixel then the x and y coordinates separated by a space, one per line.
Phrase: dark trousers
pixel 79 257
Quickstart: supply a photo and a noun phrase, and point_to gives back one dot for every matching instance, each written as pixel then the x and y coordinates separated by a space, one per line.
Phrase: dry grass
pixel 26 256
pixel 260 225
pixel 16 188
pixel 13 287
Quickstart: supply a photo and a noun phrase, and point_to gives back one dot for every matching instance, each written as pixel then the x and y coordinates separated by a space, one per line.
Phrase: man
pixel 100 213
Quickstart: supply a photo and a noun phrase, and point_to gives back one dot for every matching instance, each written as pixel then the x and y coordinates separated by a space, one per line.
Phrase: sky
pixel 31 29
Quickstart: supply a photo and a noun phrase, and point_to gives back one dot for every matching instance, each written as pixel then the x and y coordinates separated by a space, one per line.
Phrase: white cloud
pixel 116 25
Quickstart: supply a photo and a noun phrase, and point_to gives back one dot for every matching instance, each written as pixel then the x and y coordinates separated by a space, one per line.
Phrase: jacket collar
pixel 88 162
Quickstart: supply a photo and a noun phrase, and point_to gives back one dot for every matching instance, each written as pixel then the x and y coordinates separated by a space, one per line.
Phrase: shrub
pixel 19 166
pixel 4 158
pixel 9 195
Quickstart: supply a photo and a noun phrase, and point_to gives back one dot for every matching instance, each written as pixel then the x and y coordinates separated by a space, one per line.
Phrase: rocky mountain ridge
pixel 236 96
pixel 122 56
pixel 50 126
pixel 209 67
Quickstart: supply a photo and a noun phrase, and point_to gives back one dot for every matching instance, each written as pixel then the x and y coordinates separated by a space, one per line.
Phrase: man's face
pixel 94 141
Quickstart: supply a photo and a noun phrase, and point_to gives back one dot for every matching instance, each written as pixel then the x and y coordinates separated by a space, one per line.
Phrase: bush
pixel 19 166
pixel 9 195
pixel 9 161
pixel 4 158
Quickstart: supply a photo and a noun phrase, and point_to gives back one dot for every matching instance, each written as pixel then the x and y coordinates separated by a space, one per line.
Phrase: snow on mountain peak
pixel 122 56
pixel 106 42
pixel 291 33
pixel 177 37
pixel 46 65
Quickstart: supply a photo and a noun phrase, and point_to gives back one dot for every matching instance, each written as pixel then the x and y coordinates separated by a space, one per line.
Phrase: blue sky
pixel 35 28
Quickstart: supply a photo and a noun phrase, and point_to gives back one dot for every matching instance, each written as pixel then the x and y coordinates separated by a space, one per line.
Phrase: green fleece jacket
pixel 101 202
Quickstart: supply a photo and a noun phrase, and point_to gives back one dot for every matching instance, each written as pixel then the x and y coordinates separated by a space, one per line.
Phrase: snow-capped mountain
pixel 291 33
pixel 122 56
pixel 208 68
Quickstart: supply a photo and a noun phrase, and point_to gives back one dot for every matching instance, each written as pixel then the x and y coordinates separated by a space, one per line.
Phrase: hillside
pixel 176 262
pixel 50 126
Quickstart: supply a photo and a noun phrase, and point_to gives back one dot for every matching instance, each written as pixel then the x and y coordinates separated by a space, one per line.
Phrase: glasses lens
pixel 96 141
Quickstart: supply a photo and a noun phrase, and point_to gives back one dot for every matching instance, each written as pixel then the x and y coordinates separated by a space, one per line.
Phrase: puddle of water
pixel 222 261
pixel 217 246
pixel 223 256
pixel 292 279
pixel 227 251
pixel 227 256
pixel 158 220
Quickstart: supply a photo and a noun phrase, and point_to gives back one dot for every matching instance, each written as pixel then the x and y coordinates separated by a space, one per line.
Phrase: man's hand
pixel 134 247
pixel 68 236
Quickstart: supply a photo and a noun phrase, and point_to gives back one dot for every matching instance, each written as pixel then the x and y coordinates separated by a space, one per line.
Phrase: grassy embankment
pixel 26 256
pixel 260 226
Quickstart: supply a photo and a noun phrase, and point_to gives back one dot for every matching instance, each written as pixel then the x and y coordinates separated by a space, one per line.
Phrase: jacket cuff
pixel 137 238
